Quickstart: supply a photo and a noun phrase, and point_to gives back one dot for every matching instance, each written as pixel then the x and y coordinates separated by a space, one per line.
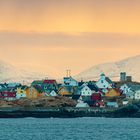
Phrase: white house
pixel 132 91
pixel 104 83
pixel 137 94
pixel 88 90
pixel 70 81
pixel 53 93
pixel 21 92
pixel 81 103
pixel 20 95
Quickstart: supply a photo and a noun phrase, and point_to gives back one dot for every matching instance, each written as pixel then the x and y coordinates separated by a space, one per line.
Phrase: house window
pixel 102 81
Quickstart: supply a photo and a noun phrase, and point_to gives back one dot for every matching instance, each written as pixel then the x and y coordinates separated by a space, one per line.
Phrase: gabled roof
pixel 93 87
pixel 108 80
pixel 67 78
pixel 24 87
pixel 38 88
pixel 37 82
pixel 134 87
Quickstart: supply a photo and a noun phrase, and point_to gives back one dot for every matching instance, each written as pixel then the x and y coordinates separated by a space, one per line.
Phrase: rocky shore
pixel 61 107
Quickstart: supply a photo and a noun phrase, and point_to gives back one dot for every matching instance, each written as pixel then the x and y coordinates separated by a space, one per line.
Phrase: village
pixel 101 93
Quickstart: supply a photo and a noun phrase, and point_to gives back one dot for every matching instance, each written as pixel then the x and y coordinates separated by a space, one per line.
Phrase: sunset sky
pixel 50 36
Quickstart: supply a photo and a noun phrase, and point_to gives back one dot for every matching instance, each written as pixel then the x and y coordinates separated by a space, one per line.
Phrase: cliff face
pixel 40 102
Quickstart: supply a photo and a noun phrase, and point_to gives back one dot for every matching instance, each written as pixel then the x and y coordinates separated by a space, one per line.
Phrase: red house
pixel 7 95
pixel 96 97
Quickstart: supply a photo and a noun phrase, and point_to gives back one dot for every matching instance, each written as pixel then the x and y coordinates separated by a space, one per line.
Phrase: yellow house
pixel 67 90
pixel 113 93
pixel 34 92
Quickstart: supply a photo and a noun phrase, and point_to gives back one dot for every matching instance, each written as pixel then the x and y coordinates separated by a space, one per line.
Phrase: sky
pixel 50 36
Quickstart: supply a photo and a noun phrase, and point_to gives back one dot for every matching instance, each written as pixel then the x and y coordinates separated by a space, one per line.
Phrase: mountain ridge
pixel 129 65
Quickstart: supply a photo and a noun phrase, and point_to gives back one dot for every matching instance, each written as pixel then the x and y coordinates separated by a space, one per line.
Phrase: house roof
pixel 24 87
pixel 51 81
pixel 134 87
pixel 38 88
pixel 108 80
pixel 36 82
pixel 67 78
pixel 93 87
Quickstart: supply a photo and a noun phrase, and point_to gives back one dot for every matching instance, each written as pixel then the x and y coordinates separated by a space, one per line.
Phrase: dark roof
pixel 24 87
pixel 93 87
pixel 134 87
pixel 108 80
pixel 119 84
pixel 80 83
pixel 38 88
pixel 37 82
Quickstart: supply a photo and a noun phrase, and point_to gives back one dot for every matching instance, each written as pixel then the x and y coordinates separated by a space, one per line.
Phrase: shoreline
pixel 70 112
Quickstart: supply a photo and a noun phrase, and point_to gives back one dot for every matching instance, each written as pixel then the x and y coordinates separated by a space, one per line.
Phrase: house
pixel 104 83
pixel 67 90
pixel 125 102
pixel 100 104
pixel 81 103
pixel 21 92
pixel 69 81
pixel 113 93
pixel 112 104
pixel 88 89
pixel 6 95
pixel 49 86
pixel 53 93
pixel 34 92
pixel 137 94
pixel 132 91
pixel 96 97
pixel 3 87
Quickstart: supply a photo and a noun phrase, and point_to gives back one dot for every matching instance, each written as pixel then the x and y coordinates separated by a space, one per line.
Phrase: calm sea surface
pixel 70 129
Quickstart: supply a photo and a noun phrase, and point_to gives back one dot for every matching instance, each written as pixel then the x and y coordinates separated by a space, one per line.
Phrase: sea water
pixel 70 129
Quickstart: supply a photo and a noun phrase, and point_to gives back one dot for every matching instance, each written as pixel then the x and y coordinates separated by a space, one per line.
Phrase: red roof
pixel 50 81
pixel 101 103
pixel 7 94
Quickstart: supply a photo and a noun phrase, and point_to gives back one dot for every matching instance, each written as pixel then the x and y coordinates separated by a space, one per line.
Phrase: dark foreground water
pixel 70 129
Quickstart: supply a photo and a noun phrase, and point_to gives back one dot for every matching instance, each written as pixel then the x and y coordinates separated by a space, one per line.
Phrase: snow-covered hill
pixel 10 73
pixel 130 65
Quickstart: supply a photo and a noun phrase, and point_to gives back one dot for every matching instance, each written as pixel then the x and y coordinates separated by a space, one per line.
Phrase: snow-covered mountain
pixel 130 65
pixel 10 73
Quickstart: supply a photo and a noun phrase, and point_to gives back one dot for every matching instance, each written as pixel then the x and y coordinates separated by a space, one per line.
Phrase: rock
pixel 45 102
